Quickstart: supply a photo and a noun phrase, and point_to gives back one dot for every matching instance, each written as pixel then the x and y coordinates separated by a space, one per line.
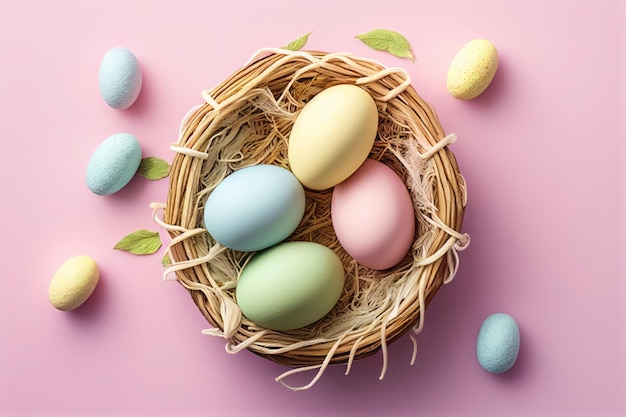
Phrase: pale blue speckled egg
pixel 120 78
pixel 254 208
pixel 113 164
pixel 498 343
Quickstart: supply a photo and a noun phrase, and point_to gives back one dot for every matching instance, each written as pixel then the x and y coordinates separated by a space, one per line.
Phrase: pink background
pixel 542 151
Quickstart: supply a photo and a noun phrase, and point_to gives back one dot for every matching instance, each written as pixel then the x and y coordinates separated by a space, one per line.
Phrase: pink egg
pixel 373 216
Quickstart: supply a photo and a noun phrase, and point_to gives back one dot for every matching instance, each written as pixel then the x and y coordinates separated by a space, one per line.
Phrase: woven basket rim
pixel 271 88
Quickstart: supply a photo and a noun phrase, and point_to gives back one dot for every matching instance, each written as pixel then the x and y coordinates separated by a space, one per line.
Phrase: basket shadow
pixel 398 146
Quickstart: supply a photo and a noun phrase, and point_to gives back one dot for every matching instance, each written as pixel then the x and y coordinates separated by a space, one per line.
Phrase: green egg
pixel 290 285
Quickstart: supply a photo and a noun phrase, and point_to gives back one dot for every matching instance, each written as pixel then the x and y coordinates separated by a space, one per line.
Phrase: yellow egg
pixel 472 69
pixel 73 282
pixel 332 136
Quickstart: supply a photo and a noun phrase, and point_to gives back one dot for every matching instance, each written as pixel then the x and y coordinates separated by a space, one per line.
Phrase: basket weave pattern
pixel 245 121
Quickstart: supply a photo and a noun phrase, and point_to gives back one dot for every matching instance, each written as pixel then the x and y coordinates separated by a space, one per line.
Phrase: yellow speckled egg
pixel 332 136
pixel 472 69
pixel 73 283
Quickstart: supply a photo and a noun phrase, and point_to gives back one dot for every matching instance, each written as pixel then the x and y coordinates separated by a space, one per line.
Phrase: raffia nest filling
pixel 245 121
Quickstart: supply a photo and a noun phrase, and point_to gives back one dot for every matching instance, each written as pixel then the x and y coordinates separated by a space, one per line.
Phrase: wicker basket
pixel 245 121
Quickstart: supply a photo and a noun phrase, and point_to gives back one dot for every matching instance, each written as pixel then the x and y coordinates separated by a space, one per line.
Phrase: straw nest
pixel 246 120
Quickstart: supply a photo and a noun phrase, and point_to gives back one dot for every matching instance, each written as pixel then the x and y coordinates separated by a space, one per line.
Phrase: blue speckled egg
pixel 113 164
pixel 498 343
pixel 120 78
pixel 254 208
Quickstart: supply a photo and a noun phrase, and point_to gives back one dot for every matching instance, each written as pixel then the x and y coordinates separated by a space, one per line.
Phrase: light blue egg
pixel 254 208
pixel 120 78
pixel 498 343
pixel 113 164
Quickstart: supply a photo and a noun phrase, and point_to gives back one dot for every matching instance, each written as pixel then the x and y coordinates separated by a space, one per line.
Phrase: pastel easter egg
pixel 472 69
pixel 332 135
pixel 373 216
pixel 73 283
pixel 120 78
pixel 254 208
pixel 113 164
pixel 498 343
pixel 290 285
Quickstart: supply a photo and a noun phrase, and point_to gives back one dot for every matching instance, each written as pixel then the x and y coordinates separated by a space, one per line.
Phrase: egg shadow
pixel 93 307
pixel 141 106
pixel 130 192
pixel 521 368
pixel 496 90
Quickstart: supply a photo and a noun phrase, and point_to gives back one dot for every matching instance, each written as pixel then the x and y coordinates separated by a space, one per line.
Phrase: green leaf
pixel 141 242
pixel 153 168
pixel 387 40
pixel 166 261
pixel 297 44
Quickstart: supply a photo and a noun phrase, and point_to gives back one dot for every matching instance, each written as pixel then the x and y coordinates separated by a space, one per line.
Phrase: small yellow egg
pixel 73 283
pixel 472 69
